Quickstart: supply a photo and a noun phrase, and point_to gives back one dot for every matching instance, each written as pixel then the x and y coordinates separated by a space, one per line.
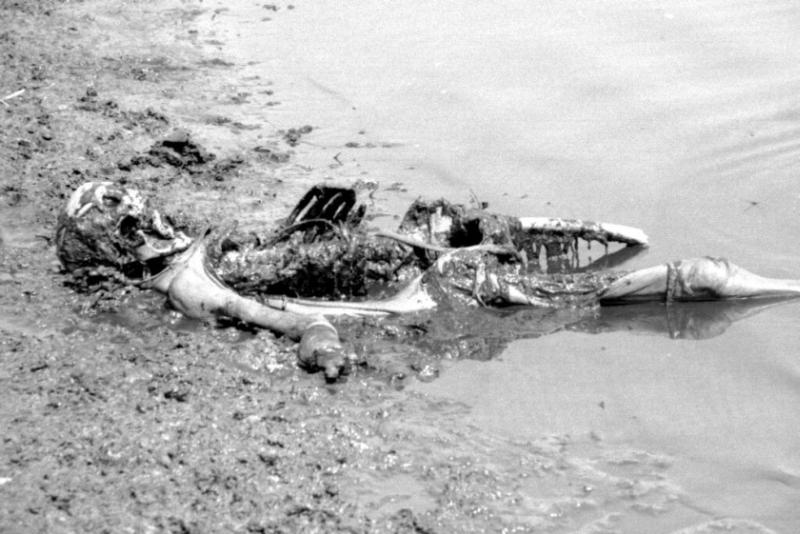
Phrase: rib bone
pixel 588 230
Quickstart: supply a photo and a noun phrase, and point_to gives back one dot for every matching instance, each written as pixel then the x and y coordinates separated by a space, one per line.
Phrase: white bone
pixel 412 298
pixel 76 206
pixel 607 231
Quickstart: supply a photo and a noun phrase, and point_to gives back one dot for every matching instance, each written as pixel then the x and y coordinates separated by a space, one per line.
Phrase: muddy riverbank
pixel 119 416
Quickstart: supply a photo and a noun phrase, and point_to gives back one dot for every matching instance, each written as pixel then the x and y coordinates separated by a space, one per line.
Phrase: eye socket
pixel 128 226
pixel 110 201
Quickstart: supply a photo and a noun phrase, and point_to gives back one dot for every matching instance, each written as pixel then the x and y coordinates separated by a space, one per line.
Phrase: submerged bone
pixel 697 279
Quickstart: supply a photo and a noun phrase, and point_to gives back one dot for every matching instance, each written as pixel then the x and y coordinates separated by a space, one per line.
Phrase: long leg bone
pixel 697 279
pixel 197 293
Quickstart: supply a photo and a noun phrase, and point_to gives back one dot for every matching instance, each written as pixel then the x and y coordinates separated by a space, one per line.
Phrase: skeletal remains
pixel 444 255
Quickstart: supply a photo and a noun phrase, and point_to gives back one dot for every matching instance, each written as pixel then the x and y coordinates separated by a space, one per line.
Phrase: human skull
pixel 106 224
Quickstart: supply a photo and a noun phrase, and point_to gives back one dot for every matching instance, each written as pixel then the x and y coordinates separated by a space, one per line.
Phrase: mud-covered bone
pixel 339 266
pixel 443 223
pixel 195 291
pixel 321 250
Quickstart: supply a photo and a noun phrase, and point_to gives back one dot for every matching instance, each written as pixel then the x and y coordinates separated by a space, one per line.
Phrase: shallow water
pixel 681 118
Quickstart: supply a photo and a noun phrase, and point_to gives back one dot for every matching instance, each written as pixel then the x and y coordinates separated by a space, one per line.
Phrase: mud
pixel 117 415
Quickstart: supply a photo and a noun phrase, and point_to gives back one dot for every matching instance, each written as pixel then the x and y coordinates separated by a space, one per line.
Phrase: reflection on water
pixel 680 117
pixel 474 333
pixel 678 320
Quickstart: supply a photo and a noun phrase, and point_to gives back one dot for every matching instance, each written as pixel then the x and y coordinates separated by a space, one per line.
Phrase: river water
pixel 681 118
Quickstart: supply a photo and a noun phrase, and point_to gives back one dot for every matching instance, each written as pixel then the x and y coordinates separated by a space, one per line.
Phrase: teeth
pixel 151 250
pixel 83 209
pixel 586 229
pixel 163 229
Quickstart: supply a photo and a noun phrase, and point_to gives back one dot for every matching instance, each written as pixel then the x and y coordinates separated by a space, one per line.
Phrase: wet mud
pixel 118 415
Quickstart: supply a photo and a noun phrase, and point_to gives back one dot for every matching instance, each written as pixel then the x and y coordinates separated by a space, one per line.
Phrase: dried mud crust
pixel 129 419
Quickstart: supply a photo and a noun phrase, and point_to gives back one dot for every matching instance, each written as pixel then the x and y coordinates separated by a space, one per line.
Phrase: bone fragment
pixel 320 348
pixel 586 229
pixel 412 298
pixel 9 96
